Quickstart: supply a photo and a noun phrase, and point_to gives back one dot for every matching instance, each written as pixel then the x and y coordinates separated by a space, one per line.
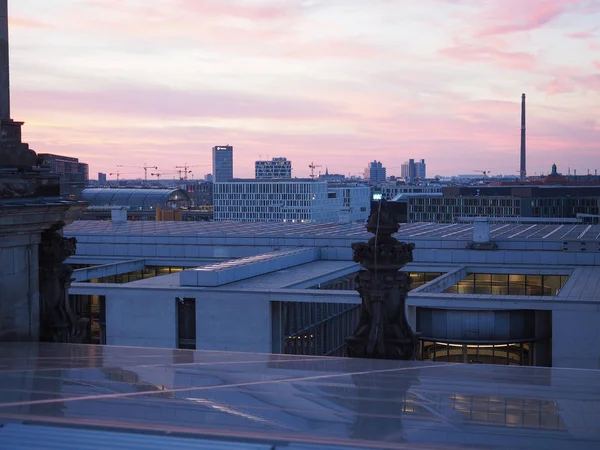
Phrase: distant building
pixel 420 170
pixel 506 201
pixel 74 175
pixel 289 200
pixel 275 169
pixel 331 177
pixel 201 193
pixel 391 190
pixel 222 157
pixel 412 170
pixel 375 173
pixel 101 178
pixel 208 177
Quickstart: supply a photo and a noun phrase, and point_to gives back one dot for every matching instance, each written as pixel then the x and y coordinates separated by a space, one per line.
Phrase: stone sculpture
pixel 58 322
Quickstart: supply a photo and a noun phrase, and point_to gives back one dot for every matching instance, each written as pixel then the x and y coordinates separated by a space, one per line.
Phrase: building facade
pixel 74 175
pixel 289 200
pixel 222 162
pixel 274 169
pixel 542 202
pixel 391 190
pixel 375 173
pixel 530 299
pixel 101 179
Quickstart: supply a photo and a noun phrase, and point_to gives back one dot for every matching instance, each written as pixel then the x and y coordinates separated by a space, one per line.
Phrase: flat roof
pixel 63 396
pixel 464 231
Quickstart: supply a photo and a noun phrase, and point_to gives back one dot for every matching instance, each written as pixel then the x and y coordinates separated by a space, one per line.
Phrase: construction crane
pixel 312 167
pixel 118 174
pixel 186 170
pixel 145 167
pixel 484 172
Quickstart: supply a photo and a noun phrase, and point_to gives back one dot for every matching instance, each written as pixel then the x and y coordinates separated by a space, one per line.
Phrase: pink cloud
pixel 489 54
pixel 597 64
pixel 589 34
pixel 25 22
pixel 227 8
pixel 164 103
pixel 569 80
pixel 511 16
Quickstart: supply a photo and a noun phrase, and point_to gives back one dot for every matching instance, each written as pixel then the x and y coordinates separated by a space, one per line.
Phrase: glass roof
pixel 135 198
pixel 286 401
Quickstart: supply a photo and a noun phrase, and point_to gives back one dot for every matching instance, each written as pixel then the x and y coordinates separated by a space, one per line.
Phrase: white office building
pixel 274 169
pixel 289 200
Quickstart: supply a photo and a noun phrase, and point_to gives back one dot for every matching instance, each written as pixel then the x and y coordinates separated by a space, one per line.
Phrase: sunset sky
pixel 337 82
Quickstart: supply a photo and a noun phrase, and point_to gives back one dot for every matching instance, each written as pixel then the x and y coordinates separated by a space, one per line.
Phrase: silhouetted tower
pixel 4 69
pixel 523 170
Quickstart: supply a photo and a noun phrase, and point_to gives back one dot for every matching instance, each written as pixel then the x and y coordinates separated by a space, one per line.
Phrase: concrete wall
pixel 141 318
pixel 576 337
pixel 19 288
pixel 233 322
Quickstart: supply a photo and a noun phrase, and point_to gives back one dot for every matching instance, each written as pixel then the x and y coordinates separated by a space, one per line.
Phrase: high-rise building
pixel 412 170
pixel 420 170
pixel 222 161
pixel 276 168
pixel 375 172
pixel 407 169
pixel 101 178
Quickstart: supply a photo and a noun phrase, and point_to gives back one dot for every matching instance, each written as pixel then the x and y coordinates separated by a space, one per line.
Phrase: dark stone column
pixel 58 322
pixel 383 331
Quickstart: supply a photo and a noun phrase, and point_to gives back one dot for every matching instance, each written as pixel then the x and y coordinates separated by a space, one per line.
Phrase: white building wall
pixel 141 318
pixel 275 201
pixel 229 322
pixel 276 168
pixel 352 202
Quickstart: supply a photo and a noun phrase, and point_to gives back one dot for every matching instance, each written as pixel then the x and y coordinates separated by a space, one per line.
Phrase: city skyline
pixel 336 82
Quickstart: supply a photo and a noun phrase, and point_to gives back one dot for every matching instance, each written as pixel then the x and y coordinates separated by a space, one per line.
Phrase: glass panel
pixel 499 284
pixel 516 285
pixel 483 283
pixel 534 285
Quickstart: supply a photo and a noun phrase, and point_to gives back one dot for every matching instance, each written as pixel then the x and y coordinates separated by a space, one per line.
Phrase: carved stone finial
pixel 383 330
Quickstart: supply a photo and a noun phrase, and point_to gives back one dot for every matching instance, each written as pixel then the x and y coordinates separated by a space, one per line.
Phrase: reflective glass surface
pixel 289 401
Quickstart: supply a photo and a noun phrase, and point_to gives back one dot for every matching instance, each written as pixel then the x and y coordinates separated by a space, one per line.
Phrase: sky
pixel 335 82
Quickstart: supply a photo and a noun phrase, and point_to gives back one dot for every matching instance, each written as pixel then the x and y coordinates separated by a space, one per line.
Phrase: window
pixel 186 323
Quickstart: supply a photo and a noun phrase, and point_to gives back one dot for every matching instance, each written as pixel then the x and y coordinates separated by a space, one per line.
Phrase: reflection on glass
pixel 504 354
pixel 514 284
pixel 502 411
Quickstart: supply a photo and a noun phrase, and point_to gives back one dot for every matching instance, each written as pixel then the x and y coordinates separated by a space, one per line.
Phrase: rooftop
pixel 74 396
pixel 462 231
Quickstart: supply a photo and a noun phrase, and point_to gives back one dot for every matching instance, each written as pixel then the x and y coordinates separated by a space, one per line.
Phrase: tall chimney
pixel 523 170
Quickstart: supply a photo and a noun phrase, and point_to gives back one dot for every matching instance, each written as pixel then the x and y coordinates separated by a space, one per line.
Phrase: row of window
pixel 267 188
pixel 503 284
pixel 147 272
pixel 466 201
pixel 317 328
